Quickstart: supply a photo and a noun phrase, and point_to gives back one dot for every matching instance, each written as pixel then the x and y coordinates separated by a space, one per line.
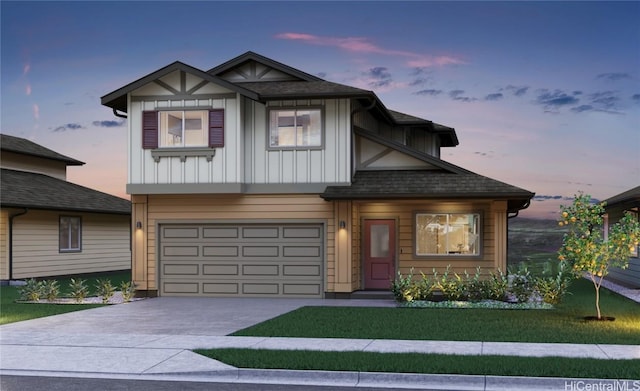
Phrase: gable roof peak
pixel 253 56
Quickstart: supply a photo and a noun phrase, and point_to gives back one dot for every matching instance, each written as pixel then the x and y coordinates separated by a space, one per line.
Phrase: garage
pixel 245 260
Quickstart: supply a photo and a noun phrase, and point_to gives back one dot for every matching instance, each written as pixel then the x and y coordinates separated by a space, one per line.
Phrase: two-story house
pixel 52 227
pixel 257 179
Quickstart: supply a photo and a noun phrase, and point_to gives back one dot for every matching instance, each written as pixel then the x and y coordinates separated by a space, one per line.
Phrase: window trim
pixel 295 108
pixel 480 233
pixel 70 249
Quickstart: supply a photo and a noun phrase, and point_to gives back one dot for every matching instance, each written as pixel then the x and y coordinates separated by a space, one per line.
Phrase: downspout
pixel 11 217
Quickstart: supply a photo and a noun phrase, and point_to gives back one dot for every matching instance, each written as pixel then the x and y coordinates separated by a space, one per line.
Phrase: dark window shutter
pixel 216 128
pixel 149 129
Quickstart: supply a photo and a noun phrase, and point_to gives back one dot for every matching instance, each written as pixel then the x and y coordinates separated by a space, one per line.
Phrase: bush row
pixel 519 286
pixel 35 290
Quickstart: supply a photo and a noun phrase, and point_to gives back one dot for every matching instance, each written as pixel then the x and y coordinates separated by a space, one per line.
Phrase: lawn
pixel 427 363
pixel 10 311
pixel 563 324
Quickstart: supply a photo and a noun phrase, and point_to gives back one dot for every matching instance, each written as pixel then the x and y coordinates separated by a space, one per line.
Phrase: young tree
pixel 588 249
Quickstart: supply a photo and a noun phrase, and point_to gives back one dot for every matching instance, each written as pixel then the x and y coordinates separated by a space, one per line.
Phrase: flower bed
pixel 486 304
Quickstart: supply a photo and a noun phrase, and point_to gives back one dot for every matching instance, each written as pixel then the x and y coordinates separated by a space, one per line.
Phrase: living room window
pixel 450 234
pixel 70 229
pixel 295 128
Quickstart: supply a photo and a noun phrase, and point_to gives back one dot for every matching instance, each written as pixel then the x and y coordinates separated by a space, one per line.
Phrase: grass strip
pixel 11 312
pixel 565 324
pixel 427 363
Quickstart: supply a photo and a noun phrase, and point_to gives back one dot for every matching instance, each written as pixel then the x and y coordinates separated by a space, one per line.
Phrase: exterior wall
pixel 631 275
pixel 152 210
pixel 4 244
pixel 329 164
pixel 20 162
pixel 494 235
pixel 105 245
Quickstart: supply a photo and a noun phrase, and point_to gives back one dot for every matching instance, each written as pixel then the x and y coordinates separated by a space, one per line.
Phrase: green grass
pixel 564 324
pixel 10 311
pixel 427 363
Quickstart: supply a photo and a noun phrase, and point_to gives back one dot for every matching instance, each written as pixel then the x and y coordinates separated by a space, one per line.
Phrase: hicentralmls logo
pixel 613 385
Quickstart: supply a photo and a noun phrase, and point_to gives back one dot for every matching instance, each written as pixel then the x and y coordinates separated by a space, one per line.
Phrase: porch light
pixel 138 224
pixel 343 224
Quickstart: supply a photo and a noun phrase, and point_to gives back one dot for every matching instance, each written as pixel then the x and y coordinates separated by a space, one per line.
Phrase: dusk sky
pixel 543 95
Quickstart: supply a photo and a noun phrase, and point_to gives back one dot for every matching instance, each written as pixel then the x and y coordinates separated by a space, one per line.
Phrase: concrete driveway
pixel 176 316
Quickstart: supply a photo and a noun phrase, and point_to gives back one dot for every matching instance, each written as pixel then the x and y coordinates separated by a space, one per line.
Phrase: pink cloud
pixel 364 45
pixel 36 111
pixel 28 89
pixel 26 68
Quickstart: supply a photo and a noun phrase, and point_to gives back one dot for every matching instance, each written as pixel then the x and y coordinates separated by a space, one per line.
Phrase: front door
pixel 379 253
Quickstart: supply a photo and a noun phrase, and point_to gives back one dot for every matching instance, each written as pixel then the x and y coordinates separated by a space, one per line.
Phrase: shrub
pixel 128 289
pixel 50 289
pixel 452 288
pixel 105 289
pixel 553 285
pixel 32 290
pixel 497 286
pixel 78 289
pixel 522 283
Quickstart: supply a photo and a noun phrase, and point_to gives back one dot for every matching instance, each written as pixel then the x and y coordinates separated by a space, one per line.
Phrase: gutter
pixel 11 217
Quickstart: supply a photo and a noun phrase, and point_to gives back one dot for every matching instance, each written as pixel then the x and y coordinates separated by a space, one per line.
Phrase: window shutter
pixel 149 129
pixel 216 128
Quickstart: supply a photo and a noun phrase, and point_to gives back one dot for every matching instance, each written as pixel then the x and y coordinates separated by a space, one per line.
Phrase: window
pixel 183 128
pixel 295 128
pixel 447 234
pixel 70 234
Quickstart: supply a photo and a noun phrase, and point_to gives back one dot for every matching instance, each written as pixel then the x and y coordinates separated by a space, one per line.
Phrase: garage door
pixel 241 260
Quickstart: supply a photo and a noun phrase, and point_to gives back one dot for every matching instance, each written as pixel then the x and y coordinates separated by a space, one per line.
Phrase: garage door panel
pixel 220 251
pixel 242 260
pixel 220 270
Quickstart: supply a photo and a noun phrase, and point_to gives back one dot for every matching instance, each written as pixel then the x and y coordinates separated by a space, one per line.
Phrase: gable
pixel 252 71
pixel 371 155
pixel 179 82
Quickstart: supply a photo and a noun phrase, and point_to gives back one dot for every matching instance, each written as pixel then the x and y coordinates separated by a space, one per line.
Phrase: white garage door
pixel 241 260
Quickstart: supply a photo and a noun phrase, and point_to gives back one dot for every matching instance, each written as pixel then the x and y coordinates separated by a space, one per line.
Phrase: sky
pixel 543 95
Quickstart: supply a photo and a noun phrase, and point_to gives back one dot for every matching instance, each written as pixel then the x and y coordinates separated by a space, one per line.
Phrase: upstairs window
pixel 183 128
pixel 449 234
pixel 295 128
pixel 70 234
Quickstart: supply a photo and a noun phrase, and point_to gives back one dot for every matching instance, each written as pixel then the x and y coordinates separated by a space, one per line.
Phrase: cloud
pixel 36 111
pixel 108 123
pixel 582 108
pixel 26 68
pixel 28 89
pixel 496 96
pixel 457 95
pixel 517 90
pixel 555 99
pixel 321 75
pixel 613 76
pixel 635 97
pixel 430 92
pixel 420 81
pixel 602 101
pixel 379 77
pixel 551 197
pixel 70 126
pixel 366 46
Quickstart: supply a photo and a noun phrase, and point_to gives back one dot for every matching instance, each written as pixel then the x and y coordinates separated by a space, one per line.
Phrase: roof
pixel 629 198
pixel 21 189
pixel 427 184
pixel 304 89
pixel 251 56
pixel 25 147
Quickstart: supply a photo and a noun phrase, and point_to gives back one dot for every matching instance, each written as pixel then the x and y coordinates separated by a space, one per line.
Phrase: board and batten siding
pixel 154 210
pixel 493 252
pixel 329 164
pixel 105 245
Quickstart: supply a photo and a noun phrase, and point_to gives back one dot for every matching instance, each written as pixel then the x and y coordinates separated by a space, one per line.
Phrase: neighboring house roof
pixel 26 147
pixel 628 199
pixel 427 184
pixel 22 189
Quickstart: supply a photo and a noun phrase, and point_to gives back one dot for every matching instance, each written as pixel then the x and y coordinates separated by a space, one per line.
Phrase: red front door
pixel 379 253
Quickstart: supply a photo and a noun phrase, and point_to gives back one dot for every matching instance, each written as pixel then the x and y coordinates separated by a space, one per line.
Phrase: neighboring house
pixel 258 179
pixel 51 227
pixel 615 208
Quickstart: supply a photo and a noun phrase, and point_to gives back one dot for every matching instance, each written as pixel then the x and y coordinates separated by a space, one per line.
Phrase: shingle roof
pixel 38 191
pixel 26 147
pixel 427 184
pixel 628 198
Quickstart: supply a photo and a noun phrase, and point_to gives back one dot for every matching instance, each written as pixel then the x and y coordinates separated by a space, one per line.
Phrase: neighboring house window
pixel 70 234
pixel 295 128
pixel 183 128
pixel 447 234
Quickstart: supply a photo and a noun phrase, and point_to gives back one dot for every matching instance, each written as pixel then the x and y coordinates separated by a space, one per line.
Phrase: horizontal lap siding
pixel 404 212
pixel 238 208
pixel 4 245
pixel 105 245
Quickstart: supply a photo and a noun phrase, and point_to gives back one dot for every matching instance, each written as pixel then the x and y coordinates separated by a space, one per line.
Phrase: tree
pixel 586 246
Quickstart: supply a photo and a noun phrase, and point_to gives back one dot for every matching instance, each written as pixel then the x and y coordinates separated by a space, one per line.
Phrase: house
pixel 257 179
pixel 51 227
pixel 615 207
